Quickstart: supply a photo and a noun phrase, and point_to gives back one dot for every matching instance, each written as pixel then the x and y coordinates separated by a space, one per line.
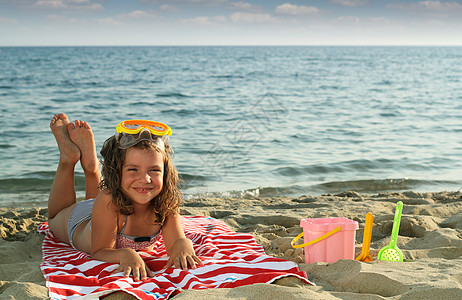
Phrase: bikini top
pixel 135 243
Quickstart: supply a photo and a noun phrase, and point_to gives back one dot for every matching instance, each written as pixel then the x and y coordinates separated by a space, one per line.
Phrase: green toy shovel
pixel 391 252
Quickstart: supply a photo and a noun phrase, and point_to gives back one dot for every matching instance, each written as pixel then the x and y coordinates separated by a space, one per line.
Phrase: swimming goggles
pixel 131 132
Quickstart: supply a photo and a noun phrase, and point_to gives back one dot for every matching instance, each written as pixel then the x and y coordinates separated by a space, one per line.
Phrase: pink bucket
pixel 328 239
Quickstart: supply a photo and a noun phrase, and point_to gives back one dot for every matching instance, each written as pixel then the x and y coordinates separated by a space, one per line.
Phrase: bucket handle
pixel 337 229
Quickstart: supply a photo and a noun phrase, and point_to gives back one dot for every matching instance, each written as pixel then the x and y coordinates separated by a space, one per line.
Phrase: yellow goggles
pixel 131 132
pixel 136 126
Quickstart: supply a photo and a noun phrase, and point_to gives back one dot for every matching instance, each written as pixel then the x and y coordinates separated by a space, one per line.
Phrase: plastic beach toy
pixel 327 239
pixel 392 252
pixel 364 256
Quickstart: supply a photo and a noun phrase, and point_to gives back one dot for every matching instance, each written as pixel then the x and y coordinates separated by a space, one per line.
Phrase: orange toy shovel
pixel 364 256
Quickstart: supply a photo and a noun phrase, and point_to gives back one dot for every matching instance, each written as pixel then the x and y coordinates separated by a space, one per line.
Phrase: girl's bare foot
pixel 81 135
pixel 69 152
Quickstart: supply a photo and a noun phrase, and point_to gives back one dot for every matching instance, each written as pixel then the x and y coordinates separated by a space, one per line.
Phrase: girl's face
pixel 142 174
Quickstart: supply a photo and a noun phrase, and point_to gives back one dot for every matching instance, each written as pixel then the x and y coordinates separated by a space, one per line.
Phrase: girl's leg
pixel 81 135
pixel 62 194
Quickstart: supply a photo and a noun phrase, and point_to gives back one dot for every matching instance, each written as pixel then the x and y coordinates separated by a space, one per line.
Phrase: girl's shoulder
pixel 104 201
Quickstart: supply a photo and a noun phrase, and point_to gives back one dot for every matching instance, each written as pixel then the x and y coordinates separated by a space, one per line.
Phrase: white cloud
pixel 381 20
pixel 107 21
pixel 79 1
pixel 219 18
pixel 242 17
pixel 350 3
pixel 205 21
pixel 291 9
pixel 134 16
pixel 53 4
pixel 430 6
pixel 72 5
pixel 207 1
pixel 64 19
pixel 244 6
pixel 198 21
pixel 204 2
pixel 348 20
pixel 139 14
pixel 168 7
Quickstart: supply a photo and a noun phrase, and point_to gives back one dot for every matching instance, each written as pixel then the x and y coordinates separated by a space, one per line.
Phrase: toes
pixel 62 116
pixel 70 126
pixel 80 124
pixel 57 117
pixel 54 119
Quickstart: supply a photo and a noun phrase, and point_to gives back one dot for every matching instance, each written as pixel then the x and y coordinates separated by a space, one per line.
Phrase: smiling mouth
pixel 143 190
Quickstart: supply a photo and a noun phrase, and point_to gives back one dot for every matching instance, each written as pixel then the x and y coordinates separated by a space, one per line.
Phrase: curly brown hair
pixel 169 199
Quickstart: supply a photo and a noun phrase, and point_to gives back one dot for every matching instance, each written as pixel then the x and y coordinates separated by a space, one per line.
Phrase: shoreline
pixel 430 238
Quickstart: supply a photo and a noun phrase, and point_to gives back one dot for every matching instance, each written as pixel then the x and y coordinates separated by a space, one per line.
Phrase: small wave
pixel 148 103
pixel 180 112
pixel 390 114
pixel 347 166
pixel 6 146
pixel 385 82
pixel 378 185
pixel 18 185
pixel 172 95
pixel 227 76
pixel 34 182
pixel 189 181
pixel 332 87
pixel 246 58
pixel 190 177
pixel 60 101
pixel 366 186
pixel 314 169
pixel 143 70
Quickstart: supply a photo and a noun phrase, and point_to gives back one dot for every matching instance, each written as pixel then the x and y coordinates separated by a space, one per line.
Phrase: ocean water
pixel 246 121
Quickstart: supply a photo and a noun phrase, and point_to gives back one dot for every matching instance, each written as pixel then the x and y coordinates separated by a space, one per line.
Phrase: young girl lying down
pixel 135 201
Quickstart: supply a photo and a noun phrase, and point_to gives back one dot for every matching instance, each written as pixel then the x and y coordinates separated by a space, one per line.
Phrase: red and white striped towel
pixel 231 259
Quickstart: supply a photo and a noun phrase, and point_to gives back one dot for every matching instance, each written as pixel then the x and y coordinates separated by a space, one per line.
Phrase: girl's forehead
pixel 145 154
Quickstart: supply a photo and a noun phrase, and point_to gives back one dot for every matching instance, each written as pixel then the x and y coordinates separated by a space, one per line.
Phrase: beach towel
pixel 230 259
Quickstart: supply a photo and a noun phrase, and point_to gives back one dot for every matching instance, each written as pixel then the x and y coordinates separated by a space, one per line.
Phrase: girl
pixel 139 198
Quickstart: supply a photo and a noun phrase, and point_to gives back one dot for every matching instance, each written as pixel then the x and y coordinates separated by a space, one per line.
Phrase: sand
pixel 430 238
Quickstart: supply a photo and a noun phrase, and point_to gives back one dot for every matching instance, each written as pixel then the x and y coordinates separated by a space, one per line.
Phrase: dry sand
pixel 430 238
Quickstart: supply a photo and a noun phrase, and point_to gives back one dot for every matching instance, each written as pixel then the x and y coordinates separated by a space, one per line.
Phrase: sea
pixel 247 121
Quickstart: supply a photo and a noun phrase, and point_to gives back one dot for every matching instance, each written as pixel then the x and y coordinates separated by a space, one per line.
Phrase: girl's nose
pixel 146 178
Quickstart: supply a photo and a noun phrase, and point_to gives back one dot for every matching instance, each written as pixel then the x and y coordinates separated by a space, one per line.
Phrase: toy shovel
pixel 364 256
pixel 391 252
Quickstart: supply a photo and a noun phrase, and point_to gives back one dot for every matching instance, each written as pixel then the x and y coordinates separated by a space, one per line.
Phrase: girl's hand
pixel 132 263
pixel 182 255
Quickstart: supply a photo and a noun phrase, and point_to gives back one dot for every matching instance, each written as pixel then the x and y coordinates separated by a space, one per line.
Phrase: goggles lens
pixel 131 132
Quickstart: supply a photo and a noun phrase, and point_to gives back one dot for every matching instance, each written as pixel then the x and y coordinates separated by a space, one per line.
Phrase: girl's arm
pixel 179 248
pixel 104 236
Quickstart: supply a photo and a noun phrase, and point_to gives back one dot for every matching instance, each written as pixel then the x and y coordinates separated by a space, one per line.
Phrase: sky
pixel 227 22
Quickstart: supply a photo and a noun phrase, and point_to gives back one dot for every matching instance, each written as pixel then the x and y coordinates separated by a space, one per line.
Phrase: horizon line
pixel 245 45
